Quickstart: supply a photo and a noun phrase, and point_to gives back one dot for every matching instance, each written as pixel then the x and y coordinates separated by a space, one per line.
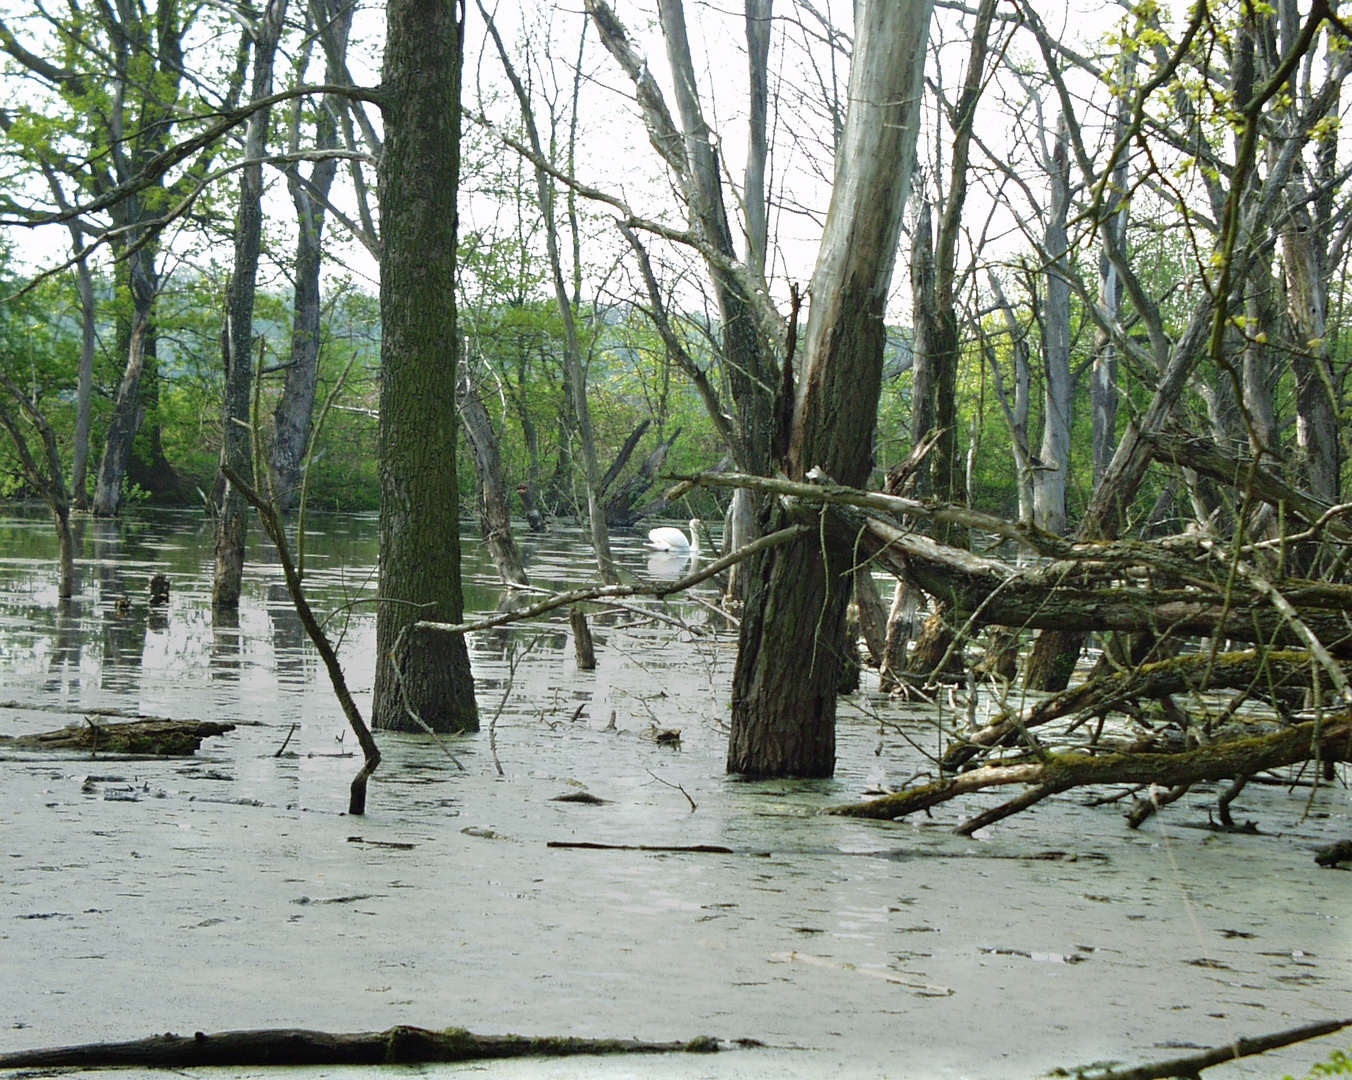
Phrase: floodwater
pixel 230 890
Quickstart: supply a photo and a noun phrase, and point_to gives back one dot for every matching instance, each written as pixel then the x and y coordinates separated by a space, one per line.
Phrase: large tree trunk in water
pixel 237 451
pixel 495 519
pixel 419 510
pixel 784 687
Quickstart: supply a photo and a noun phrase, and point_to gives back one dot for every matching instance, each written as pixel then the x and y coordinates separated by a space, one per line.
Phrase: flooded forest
pixel 654 538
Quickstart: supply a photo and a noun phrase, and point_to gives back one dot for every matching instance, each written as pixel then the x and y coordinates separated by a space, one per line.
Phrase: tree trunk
pixel 128 412
pixel 84 393
pixel 295 406
pixel 1051 480
pixel 758 15
pixel 620 508
pixel 1316 416
pixel 419 510
pixel 784 686
pixel 236 423
pixel 495 519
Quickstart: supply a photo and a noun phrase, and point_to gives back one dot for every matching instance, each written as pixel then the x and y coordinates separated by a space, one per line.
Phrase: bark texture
pixel 419 508
pixel 784 687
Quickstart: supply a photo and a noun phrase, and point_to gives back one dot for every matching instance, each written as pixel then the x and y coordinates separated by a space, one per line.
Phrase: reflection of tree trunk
pixel 419 511
pixel 237 452
pixel 495 519
pixel 288 635
pixel 784 687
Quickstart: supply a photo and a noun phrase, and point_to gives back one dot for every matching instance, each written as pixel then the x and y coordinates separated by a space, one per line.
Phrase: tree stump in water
pixel 582 640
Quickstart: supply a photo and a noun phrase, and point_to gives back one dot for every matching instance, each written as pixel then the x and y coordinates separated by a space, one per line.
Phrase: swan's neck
pixel 694 541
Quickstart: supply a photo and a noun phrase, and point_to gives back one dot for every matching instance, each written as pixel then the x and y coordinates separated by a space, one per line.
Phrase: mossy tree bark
pixel 419 510
pixel 784 688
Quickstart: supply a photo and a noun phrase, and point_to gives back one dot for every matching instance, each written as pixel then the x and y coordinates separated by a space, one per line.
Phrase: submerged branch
pixel 608 592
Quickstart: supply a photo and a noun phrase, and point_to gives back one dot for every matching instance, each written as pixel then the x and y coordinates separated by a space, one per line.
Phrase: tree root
pixel 398 1045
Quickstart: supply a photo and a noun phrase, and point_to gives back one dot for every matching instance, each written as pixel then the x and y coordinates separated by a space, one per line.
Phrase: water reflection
pixel 671 565
pixel 109 643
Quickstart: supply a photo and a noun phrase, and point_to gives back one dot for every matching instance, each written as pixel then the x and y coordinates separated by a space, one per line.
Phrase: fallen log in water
pixel 1251 669
pixel 165 738
pixel 1053 773
pixel 1178 585
pixel 398 1045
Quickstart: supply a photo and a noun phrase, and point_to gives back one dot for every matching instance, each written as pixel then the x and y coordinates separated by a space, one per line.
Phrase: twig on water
pixel 513 658
pixel 678 787
pixel 286 742
pixel 398 666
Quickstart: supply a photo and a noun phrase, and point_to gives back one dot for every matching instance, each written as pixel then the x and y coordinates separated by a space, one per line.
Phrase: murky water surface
pixel 230 891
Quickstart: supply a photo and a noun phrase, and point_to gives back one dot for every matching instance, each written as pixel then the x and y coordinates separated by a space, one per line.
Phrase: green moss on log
pixel 1059 772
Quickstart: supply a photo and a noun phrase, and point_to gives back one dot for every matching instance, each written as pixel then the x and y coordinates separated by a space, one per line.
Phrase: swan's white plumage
pixel 669 539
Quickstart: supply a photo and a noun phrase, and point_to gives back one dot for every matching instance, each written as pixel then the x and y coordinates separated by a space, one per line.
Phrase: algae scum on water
pixel 227 890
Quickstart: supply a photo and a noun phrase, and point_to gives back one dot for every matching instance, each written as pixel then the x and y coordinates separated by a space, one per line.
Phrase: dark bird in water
pixel 1334 854
pixel 534 518
pixel 122 606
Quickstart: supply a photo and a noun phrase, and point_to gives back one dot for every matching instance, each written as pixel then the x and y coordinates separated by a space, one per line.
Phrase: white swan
pixel 673 540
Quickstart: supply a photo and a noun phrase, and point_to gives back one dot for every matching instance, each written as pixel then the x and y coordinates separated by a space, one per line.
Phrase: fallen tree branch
pixel 1178 674
pixel 608 592
pixel 1091 586
pixel 1030 536
pixel 1193 1064
pixel 267 516
pixel 1061 771
pixel 398 1045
